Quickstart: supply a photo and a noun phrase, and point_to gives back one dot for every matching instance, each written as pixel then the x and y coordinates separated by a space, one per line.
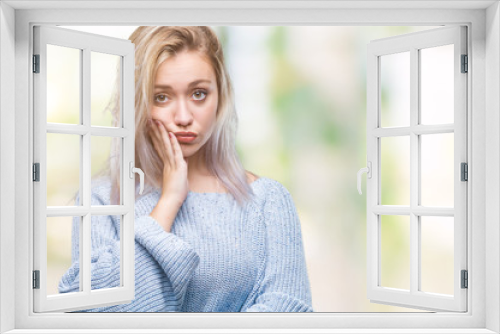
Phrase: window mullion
pixel 417 129
pixel 406 210
pixel 86 139
pixel 85 255
pixel 82 130
pixel 127 195
pixel 86 172
pixel 414 172
pixel 103 210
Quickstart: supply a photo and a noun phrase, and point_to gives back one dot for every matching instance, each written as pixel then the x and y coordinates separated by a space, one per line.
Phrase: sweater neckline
pixel 212 194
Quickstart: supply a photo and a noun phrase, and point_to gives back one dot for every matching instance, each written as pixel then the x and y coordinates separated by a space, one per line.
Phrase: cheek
pixel 160 114
pixel 213 110
pixel 210 119
pixel 154 112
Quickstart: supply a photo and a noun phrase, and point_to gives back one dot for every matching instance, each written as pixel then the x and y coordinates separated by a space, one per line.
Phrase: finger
pixel 159 150
pixel 177 151
pixel 157 141
pixel 156 130
pixel 166 142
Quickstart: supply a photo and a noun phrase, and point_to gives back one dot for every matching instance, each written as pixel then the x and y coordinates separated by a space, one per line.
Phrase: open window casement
pixel 417 172
pixel 71 71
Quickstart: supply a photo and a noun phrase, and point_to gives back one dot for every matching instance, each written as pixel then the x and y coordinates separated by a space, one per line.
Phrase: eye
pixel 199 92
pixel 161 98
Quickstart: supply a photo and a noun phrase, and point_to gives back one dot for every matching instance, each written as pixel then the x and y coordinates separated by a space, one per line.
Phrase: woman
pixel 209 236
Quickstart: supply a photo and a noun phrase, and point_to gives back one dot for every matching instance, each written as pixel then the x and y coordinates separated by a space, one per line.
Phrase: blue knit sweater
pixel 218 256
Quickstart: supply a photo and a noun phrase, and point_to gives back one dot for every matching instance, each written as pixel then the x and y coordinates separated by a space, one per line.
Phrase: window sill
pixel 256 331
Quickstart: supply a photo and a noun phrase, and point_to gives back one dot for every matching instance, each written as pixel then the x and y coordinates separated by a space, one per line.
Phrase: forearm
pixel 164 266
pixel 165 212
pixel 176 257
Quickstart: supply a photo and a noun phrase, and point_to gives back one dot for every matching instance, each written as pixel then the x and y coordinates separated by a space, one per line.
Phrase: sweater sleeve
pixel 283 282
pixel 175 256
pixel 164 264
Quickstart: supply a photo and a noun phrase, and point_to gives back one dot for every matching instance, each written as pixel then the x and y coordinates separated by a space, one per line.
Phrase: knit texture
pixel 218 256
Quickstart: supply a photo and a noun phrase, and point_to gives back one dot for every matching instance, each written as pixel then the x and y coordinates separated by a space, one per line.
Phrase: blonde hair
pixel 153 45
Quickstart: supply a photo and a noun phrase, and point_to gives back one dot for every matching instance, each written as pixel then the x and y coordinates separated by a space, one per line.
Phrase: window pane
pixel 436 237
pixel 395 170
pixel 395 89
pixel 59 250
pixel 63 169
pixel 63 84
pixel 437 173
pixel 106 252
pixel 105 89
pixel 436 85
pixel 395 252
pixel 106 163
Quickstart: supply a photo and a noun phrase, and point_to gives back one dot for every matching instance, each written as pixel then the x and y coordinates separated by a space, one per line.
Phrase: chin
pixel 189 151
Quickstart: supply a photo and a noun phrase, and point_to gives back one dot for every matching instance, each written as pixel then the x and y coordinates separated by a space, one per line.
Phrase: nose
pixel 183 117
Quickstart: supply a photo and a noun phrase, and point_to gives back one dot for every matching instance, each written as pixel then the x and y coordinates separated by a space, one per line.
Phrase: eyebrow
pixel 191 84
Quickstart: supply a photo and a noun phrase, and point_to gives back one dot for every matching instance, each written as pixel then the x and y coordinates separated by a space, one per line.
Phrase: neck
pixel 199 178
pixel 197 165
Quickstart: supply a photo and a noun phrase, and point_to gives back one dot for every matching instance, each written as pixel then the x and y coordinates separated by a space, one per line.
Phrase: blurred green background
pixel 301 102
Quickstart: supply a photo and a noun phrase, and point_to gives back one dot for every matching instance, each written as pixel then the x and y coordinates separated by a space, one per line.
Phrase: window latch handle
pixel 368 171
pixel 133 170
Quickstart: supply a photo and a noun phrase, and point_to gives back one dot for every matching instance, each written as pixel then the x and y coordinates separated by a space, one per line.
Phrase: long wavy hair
pixel 154 45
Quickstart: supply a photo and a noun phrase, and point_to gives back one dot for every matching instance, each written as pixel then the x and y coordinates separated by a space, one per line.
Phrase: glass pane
pixel 436 85
pixel 105 89
pixel 106 163
pixel 59 250
pixel 63 169
pixel 395 89
pixel 395 170
pixel 436 237
pixel 63 84
pixel 106 252
pixel 395 252
pixel 437 172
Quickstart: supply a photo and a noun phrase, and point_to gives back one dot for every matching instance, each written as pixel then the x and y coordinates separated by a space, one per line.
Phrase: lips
pixel 185 134
pixel 185 137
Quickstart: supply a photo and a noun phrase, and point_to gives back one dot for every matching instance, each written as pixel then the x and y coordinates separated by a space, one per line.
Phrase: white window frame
pixel 483 21
pixel 86 44
pixel 412 44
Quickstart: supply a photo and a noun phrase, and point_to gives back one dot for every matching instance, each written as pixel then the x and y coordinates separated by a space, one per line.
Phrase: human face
pixel 185 99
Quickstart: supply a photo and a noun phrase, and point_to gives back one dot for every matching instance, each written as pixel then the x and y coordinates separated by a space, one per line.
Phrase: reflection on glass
pixel 436 242
pixel 395 252
pixel 105 161
pixel 105 99
pixel 63 169
pixel 106 252
pixel 63 84
pixel 436 85
pixel 437 172
pixel 395 170
pixel 395 89
pixel 59 250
